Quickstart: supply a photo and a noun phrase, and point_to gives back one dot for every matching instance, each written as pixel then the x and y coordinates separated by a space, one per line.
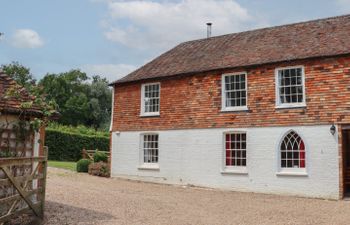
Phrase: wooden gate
pixel 89 154
pixel 22 186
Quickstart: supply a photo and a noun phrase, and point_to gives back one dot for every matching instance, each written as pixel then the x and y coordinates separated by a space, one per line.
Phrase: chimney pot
pixel 209 30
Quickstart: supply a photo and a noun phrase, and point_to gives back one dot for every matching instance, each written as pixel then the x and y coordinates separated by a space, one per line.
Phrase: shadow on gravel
pixel 58 213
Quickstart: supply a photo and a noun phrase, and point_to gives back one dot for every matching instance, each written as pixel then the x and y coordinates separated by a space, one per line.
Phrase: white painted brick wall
pixel 195 157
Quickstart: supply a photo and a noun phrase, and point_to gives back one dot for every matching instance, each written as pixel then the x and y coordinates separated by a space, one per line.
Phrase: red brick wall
pixel 195 101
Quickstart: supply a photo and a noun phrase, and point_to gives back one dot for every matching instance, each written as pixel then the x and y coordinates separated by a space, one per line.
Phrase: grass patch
pixel 63 165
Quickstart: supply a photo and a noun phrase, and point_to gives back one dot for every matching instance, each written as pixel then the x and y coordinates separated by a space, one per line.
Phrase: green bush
pixel 83 165
pixel 100 157
pixel 65 146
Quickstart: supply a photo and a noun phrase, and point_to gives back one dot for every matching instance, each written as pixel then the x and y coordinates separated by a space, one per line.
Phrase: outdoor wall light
pixel 332 129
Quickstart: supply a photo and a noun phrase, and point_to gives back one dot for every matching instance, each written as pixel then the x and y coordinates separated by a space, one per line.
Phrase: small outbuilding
pixel 22 154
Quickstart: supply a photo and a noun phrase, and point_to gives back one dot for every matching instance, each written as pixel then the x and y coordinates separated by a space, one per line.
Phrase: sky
pixel 112 38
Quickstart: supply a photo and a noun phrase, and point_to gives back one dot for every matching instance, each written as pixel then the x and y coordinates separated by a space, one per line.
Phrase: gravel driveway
pixel 74 198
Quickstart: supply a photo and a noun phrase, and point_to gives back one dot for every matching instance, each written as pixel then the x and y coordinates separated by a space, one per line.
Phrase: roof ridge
pixel 268 28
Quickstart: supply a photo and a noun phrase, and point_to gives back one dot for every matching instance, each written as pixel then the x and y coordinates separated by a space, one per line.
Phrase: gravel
pixel 74 198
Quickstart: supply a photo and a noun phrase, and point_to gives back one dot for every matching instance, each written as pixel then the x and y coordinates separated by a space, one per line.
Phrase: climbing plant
pixel 33 111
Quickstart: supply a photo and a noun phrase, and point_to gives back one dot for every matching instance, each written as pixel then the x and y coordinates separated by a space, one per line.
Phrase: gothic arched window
pixel 292 151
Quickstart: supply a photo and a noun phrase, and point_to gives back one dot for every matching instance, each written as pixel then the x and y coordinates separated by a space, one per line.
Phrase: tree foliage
pixel 100 101
pixel 19 73
pixel 80 100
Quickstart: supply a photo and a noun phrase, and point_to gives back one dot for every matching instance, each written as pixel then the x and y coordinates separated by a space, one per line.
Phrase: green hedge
pixel 80 129
pixel 64 146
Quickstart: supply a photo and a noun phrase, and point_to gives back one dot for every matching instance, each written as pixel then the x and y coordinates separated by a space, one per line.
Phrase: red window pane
pixel 235 149
pixel 228 158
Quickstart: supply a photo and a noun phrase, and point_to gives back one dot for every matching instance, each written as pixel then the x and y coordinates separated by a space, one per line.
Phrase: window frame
pixel 225 108
pixel 142 111
pixel 234 169
pixel 277 93
pixel 145 165
pixel 292 171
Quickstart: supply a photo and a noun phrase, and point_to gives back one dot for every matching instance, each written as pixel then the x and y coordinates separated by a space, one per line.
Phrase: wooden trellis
pixel 22 186
pixel 10 142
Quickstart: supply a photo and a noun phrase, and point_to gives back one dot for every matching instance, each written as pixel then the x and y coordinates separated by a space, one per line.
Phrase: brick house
pixel 266 110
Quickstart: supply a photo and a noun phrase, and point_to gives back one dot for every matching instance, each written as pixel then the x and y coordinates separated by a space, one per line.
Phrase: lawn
pixel 63 165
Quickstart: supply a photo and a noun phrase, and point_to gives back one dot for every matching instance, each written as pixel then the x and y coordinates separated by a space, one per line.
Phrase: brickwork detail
pixel 195 101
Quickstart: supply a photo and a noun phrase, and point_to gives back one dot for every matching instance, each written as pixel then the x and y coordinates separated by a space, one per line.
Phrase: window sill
pixel 288 106
pixel 148 167
pixel 235 170
pixel 150 115
pixel 235 109
pixel 302 173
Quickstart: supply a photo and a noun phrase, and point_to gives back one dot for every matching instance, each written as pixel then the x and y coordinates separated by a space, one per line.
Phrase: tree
pixel 76 110
pixel 79 101
pixel 19 73
pixel 60 87
pixel 100 102
pixel 68 90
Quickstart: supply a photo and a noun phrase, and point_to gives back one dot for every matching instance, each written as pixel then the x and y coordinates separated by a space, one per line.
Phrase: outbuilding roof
pixel 317 38
pixel 13 104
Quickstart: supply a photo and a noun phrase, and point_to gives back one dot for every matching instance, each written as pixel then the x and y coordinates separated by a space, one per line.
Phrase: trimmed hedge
pixel 80 129
pixel 64 146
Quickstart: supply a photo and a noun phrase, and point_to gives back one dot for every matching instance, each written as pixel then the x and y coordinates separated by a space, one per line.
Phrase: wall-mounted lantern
pixel 332 129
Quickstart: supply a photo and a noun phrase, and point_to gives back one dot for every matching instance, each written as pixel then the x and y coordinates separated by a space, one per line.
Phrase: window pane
pixel 235 149
pixel 227 79
pixel 243 85
pixel 294 80
pixel 287 98
pixel 151 98
pixel 292 151
pixel 290 85
pixel 235 90
pixel 236 77
pixel 299 80
pixel 150 148
pixel 283 163
pixel 237 86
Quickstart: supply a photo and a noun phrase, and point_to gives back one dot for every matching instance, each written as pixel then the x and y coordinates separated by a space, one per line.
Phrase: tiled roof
pixel 317 38
pixel 13 104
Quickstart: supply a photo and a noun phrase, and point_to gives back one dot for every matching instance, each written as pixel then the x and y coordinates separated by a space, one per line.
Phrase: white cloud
pixel 110 71
pixel 26 38
pixel 160 25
